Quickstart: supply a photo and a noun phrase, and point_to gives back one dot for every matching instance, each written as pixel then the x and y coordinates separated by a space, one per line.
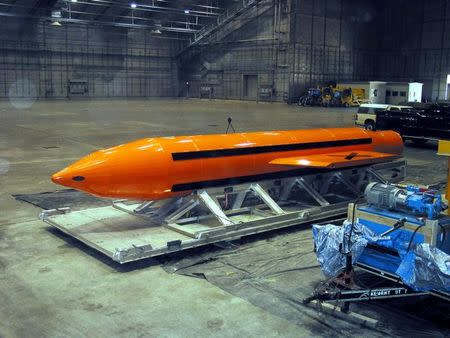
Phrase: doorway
pixel 250 87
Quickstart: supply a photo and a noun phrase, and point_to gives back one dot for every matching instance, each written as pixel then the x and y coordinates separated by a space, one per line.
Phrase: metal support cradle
pixel 128 231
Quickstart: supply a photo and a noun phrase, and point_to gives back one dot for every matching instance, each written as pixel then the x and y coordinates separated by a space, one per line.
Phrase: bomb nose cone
pixel 91 170
pixel 67 177
pixel 62 177
pixel 57 178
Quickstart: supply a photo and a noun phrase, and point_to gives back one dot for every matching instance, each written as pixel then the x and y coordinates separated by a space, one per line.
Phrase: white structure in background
pixel 397 92
pixel 377 92
pixel 415 92
pixel 447 86
pixel 381 92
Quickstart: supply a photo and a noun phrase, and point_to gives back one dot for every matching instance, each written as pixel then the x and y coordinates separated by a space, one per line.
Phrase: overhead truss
pixel 159 16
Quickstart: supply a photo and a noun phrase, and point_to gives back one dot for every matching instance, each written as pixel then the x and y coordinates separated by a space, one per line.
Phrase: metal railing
pixel 222 19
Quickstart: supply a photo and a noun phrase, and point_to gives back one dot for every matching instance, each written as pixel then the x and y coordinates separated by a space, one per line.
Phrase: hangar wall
pixel 285 44
pixel 414 43
pixel 244 47
pixel 332 40
pixel 289 44
pixel 318 41
pixel 44 61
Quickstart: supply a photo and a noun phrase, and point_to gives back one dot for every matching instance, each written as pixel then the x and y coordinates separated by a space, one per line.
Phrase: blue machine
pixel 400 235
pixel 406 222
pixel 413 200
pixel 400 232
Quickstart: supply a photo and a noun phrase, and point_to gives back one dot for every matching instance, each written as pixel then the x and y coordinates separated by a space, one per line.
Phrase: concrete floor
pixel 48 287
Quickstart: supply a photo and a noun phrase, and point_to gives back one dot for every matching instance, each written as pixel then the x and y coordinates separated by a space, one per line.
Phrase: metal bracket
pixel 146 205
pixel 174 245
pixel 44 214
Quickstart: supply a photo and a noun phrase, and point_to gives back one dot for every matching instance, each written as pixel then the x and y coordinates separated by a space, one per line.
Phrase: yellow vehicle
pixel 342 96
pixel 327 95
pixel 352 97
pixel 346 97
pixel 359 93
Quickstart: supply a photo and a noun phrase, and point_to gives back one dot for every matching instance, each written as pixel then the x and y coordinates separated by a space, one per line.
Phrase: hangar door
pixel 250 86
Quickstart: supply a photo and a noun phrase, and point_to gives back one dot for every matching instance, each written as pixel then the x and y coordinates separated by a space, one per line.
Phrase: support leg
pixel 310 190
pixel 240 197
pixel 215 209
pixel 289 185
pixel 349 184
pixel 267 199
pixel 189 205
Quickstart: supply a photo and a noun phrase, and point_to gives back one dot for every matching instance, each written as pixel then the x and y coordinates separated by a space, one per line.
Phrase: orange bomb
pixel 164 167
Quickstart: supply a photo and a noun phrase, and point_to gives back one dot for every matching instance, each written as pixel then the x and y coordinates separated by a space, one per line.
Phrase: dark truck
pixel 425 121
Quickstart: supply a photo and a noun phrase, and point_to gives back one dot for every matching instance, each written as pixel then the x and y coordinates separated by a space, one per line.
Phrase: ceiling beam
pixel 150 8
pixel 115 24
pixel 130 18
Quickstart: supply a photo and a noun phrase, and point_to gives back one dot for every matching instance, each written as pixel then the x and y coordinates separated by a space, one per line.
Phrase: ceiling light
pixel 73 0
pixel 187 11
pixel 56 14
pixel 55 23
pixel 133 5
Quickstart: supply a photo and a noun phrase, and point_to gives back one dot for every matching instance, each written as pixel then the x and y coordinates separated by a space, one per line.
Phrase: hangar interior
pixel 77 76
pixel 108 49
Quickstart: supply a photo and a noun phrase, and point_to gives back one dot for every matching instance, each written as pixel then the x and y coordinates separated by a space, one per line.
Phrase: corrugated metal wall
pixel 246 46
pixel 333 40
pixel 328 40
pixel 41 60
pixel 289 44
pixel 414 43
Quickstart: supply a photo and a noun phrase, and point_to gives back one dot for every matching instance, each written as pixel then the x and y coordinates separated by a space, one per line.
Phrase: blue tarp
pixel 423 267
pixel 329 244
